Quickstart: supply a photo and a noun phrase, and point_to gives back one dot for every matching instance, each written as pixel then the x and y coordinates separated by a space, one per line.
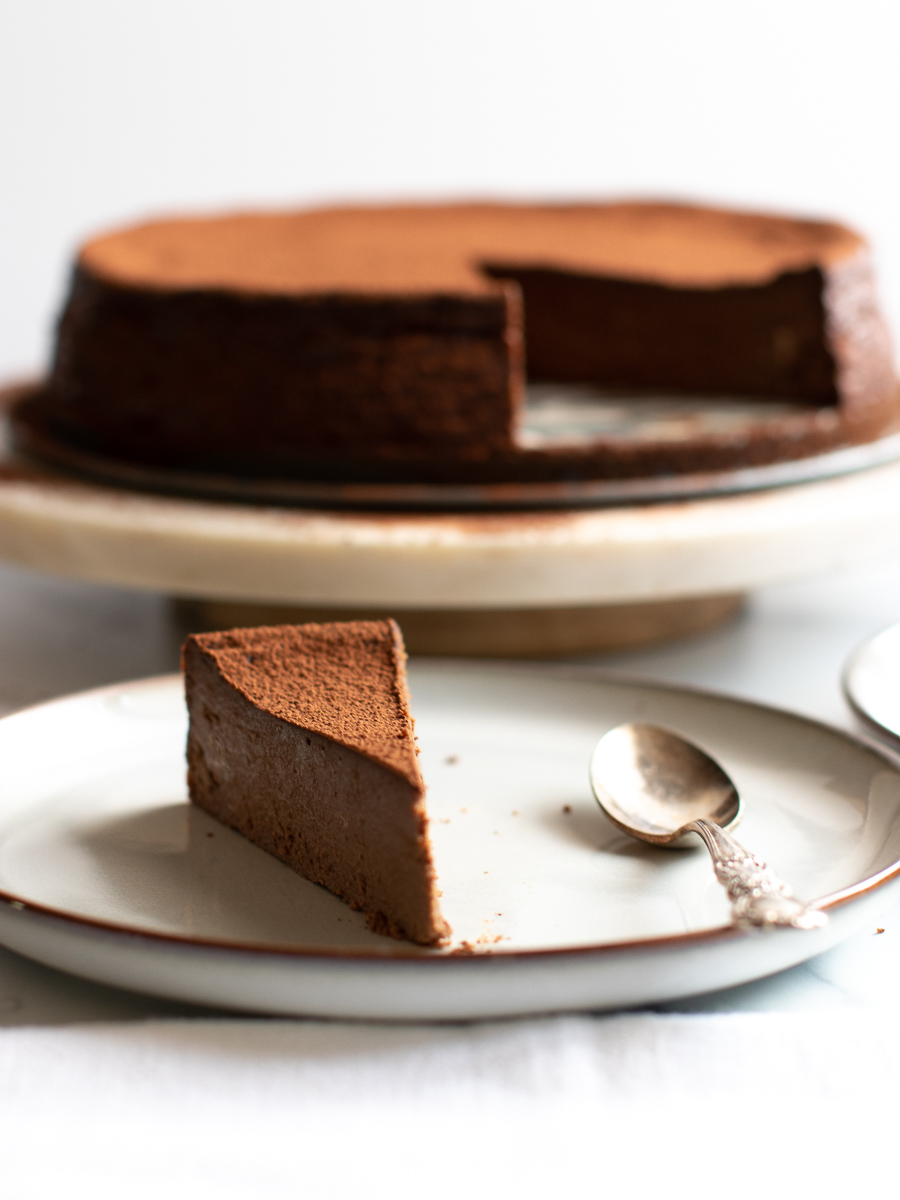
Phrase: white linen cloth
pixel 743 1105
pixel 784 1087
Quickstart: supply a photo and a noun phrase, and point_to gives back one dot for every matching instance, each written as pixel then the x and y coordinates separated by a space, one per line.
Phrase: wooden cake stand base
pixel 494 632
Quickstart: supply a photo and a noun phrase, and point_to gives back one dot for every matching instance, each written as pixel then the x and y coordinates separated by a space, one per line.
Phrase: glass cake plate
pixel 570 414
pixel 560 416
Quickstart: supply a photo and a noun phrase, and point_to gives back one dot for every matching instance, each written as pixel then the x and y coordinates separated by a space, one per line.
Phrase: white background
pixel 113 109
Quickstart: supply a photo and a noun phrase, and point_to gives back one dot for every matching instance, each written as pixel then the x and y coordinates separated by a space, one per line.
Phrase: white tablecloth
pixel 786 1086
pixel 626 1106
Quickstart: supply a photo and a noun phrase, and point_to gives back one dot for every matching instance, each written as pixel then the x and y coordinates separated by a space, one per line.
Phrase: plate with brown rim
pixel 107 872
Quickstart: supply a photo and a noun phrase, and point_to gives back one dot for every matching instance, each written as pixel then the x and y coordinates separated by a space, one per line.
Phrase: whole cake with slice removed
pixel 302 740
pixel 393 343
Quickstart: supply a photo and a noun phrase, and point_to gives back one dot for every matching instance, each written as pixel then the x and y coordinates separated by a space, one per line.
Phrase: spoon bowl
pixel 652 783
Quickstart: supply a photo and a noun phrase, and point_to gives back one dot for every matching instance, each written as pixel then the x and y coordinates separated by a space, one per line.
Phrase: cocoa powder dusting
pixel 345 681
pixel 411 249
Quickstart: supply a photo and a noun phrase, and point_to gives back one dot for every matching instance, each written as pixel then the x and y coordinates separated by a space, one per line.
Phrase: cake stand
pixel 498 584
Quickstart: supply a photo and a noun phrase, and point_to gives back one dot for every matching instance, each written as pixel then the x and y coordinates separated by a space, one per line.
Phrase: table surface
pixel 787 649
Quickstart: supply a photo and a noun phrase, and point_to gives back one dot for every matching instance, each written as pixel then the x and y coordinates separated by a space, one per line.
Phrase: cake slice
pixel 302 740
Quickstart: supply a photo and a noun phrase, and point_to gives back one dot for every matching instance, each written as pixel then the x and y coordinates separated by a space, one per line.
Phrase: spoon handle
pixel 758 897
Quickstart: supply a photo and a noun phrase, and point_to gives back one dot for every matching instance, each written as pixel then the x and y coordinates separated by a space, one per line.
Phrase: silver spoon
pixel 658 787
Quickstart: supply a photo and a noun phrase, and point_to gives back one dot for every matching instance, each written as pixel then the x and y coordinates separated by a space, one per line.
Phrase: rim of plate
pixel 847 689
pixel 717 933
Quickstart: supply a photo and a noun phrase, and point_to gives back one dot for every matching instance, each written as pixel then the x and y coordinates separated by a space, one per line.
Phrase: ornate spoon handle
pixel 758 897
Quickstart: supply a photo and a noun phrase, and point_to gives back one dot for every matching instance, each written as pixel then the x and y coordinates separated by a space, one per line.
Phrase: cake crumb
pixel 515 812
pixel 451 759
pixel 567 808
pixel 881 930
pixel 463 948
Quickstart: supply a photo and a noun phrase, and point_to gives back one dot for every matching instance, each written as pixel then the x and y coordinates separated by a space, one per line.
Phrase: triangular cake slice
pixel 302 740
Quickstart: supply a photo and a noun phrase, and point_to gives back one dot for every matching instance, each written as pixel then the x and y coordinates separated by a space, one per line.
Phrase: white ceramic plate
pixel 106 872
pixel 872 682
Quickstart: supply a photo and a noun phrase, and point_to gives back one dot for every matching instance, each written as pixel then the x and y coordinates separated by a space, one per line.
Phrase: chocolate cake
pixel 393 343
pixel 301 739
